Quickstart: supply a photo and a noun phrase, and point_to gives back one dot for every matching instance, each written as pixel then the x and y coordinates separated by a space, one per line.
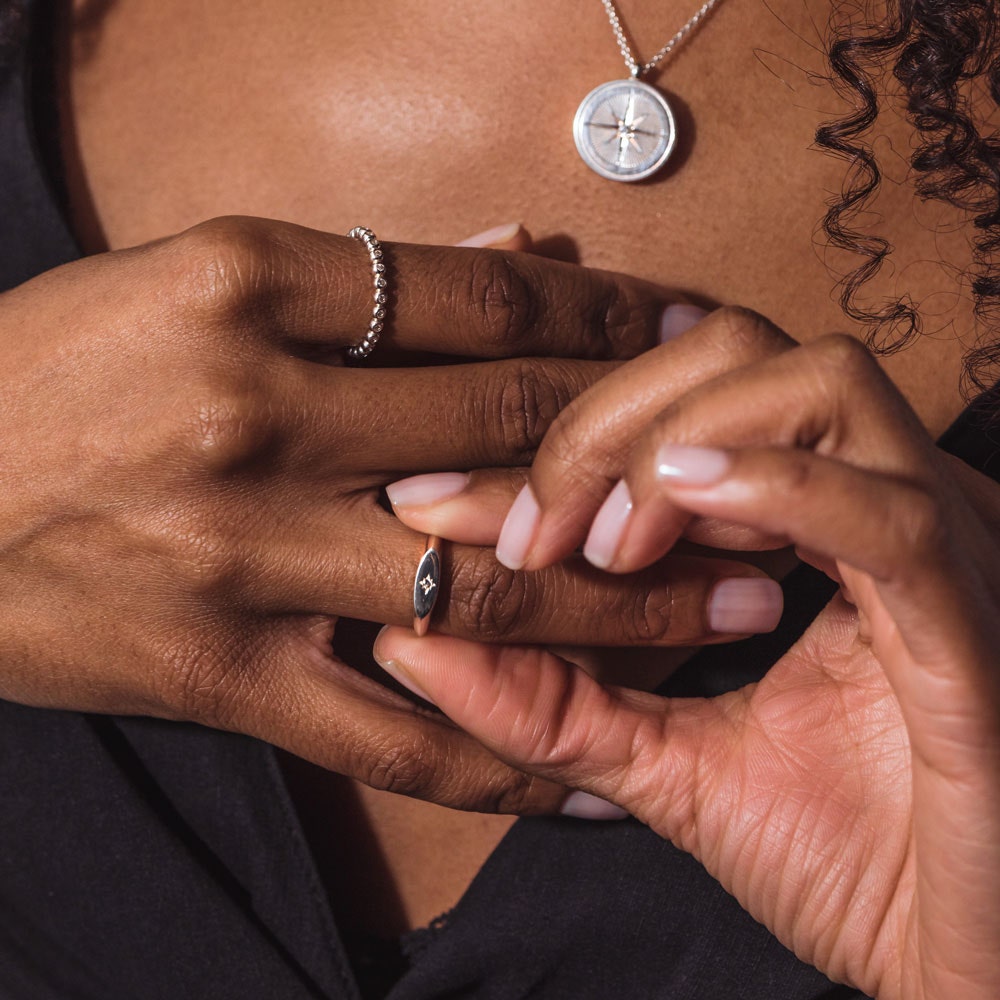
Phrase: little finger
pixel 299 697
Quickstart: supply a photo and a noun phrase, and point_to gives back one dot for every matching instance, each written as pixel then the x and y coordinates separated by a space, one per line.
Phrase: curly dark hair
pixel 946 56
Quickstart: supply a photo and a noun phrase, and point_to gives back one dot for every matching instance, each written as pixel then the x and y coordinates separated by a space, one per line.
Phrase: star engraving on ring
pixel 427 584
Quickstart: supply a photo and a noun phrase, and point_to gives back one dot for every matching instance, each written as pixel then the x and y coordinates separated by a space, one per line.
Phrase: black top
pixel 148 859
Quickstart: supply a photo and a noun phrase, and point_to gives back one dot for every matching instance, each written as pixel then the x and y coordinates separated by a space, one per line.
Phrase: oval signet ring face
pixel 426 586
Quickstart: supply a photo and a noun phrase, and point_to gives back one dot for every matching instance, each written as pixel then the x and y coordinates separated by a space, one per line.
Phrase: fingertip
pixel 426 490
pixel 745 606
pixel 417 655
pixel 583 805
pixel 508 236
pixel 690 465
pixel 678 318
pixel 393 652
pixel 604 539
pixel 519 530
pixel 396 671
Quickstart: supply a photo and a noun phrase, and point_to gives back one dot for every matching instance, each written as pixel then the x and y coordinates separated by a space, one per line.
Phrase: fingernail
pixel 519 529
pixel 583 805
pixel 395 670
pixel 690 466
pixel 745 605
pixel 677 318
pixel 431 488
pixel 498 234
pixel 608 526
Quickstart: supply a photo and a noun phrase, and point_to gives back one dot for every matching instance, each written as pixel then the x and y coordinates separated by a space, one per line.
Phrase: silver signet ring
pixel 426 585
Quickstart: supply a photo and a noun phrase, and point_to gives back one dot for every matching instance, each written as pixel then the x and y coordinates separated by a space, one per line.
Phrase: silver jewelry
pixel 625 130
pixel 375 326
pixel 426 585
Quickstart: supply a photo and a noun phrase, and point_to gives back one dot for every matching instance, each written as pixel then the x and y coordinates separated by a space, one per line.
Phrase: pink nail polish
pixel 418 491
pixel 519 529
pixel 745 606
pixel 491 237
pixel 583 805
pixel 690 466
pixel 678 318
pixel 608 527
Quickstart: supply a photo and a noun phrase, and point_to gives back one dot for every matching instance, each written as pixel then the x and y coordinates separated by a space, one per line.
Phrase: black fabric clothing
pixel 153 860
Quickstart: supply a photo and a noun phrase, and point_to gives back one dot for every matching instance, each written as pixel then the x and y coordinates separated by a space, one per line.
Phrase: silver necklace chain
pixel 635 68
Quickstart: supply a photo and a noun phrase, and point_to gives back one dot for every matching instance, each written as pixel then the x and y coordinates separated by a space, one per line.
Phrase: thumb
pixel 547 717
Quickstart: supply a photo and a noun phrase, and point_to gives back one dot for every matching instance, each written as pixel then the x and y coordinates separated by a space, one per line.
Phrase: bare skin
pixel 177 113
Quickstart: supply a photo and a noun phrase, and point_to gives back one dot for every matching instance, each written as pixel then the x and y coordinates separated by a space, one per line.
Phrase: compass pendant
pixel 624 130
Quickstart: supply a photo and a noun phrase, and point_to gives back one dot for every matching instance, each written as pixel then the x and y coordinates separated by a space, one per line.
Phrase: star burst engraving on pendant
pixel 625 128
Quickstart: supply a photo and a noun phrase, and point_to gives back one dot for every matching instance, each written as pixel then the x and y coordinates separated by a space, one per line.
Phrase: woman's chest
pixel 429 121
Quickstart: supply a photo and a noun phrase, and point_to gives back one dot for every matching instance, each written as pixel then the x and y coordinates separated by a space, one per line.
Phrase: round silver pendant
pixel 624 130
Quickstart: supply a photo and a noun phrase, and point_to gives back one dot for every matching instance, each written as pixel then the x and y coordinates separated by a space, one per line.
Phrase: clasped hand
pixel 191 484
pixel 851 799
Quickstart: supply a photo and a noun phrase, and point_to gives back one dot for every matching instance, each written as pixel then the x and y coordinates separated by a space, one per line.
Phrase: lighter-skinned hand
pixel 851 799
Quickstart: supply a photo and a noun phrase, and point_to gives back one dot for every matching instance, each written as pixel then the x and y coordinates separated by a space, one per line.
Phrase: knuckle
pixel 519 794
pixel 225 433
pixel 744 334
pixel 421 768
pixel 528 400
pixel 842 358
pixel 491 600
pixel 625 321
pixel 645 616
pixel 506 301
pixel 839 371
pixel 796 475
pixel 404 768
pixel 205 563
pixel 205 550
pixel 223 267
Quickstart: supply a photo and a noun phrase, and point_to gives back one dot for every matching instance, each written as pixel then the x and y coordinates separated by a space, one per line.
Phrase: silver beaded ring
pixel 361 351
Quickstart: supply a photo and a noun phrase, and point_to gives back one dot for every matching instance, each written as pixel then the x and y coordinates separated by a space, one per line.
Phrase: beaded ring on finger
pixel 360 351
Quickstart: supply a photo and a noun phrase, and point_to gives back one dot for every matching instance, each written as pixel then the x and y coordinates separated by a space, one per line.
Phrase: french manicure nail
pixel 745 605
pixel 691 466
pixel 677 318
pixel 604 539
pixel 491 237
pixel 583 805
pixel 519 529
pixel 431 488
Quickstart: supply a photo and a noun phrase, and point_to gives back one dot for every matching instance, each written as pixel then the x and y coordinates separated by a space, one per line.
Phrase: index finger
pixel 317 288
pixel 587 448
